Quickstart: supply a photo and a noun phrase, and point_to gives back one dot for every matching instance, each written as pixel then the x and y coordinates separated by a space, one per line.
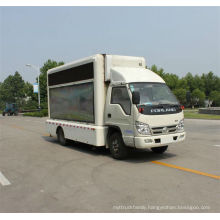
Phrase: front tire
pixel 61 138
pixel 117 147
pixel 3 113
pixel 159 150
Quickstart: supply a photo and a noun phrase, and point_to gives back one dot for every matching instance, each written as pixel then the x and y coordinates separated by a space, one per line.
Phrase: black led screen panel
pixel 74 74
pixel 75 102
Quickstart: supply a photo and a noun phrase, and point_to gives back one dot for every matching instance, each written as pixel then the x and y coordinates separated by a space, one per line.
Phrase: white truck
pixel 113 101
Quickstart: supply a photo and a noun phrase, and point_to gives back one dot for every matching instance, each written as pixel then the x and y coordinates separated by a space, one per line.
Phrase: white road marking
pixel 3 180
pixel 217 145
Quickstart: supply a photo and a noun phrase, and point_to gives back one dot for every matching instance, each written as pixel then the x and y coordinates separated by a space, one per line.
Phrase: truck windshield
pixel 154 93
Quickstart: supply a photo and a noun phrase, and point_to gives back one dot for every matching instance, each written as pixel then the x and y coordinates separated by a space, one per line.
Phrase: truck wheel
pixel 60 137
pixel 3 113
pixel 159 150
pixel 117 147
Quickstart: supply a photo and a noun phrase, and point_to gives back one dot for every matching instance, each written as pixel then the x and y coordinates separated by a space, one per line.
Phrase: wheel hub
pixel 115 145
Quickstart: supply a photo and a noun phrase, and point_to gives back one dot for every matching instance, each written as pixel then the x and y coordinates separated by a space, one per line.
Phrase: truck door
pixel 119 112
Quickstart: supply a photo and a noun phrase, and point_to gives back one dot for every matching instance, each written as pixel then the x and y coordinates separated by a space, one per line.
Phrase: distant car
pixel 10 109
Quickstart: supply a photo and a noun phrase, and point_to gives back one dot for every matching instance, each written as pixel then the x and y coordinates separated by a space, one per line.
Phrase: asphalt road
pixel 39 175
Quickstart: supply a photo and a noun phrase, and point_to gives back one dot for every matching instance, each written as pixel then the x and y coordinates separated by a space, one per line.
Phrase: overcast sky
pixel 179 39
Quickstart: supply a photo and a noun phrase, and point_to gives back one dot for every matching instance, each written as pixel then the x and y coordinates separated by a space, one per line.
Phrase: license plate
pixel 166 139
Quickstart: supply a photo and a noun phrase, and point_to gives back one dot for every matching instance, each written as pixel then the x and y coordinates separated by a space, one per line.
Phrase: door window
pixel 120 96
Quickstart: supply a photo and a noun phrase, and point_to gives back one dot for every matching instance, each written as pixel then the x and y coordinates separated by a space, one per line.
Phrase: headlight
pixel 142 128
pixel 180 126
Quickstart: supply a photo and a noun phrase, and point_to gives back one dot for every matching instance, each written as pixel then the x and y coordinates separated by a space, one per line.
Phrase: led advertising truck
pixel 113 101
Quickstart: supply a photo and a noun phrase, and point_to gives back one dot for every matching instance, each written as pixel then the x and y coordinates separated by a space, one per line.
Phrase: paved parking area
pixel 39 175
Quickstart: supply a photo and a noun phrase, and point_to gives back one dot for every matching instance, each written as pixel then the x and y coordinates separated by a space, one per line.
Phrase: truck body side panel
pixel 66 106
pixel 81 132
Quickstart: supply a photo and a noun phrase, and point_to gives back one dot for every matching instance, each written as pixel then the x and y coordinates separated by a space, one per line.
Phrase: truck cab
pixel 141 112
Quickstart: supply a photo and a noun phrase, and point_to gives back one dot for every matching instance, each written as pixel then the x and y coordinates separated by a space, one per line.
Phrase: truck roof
pixel 129 74
pixel 121 69
pixel 111 61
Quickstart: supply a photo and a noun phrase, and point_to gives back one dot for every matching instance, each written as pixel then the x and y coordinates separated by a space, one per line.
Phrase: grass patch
pixel 191 109
pixel 193 114
pixel 42 113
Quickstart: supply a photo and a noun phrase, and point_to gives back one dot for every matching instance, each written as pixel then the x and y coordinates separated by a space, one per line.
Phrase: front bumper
pixel 157 141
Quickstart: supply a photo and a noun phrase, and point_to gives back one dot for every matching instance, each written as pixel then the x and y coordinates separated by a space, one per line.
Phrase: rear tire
pixel 117 147
pixel 3 113
pixel 159 150
pixel 61 138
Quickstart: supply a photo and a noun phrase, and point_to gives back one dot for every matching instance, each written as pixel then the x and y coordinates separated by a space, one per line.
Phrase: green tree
pixel 160 71
pixel 31 97
pixel 171 80
pixel 1 101
pixel 211 82
pixel 190 81
pixel 199 83
pixel 198 97
pixel 182 83
pixel 12 89
pixel 49 64
pixel 215 98
pixel 180 93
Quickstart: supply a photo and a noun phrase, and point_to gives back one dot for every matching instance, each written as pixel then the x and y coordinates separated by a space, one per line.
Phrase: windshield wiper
pixel 158 106
pixel 169 104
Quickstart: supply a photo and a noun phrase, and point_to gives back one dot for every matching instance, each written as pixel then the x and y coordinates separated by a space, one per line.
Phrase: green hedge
pixel 42 113
pixel 195 115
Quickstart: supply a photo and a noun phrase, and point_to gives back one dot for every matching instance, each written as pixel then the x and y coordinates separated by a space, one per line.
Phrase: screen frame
pixel 71 85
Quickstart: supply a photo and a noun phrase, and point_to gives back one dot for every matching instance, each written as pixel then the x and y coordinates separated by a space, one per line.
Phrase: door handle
pixel 109 115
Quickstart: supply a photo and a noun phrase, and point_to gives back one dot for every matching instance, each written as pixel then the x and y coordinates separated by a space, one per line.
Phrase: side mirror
pixel 136 98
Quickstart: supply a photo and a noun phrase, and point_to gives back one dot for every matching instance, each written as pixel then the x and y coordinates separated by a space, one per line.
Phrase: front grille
pixel 163 130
